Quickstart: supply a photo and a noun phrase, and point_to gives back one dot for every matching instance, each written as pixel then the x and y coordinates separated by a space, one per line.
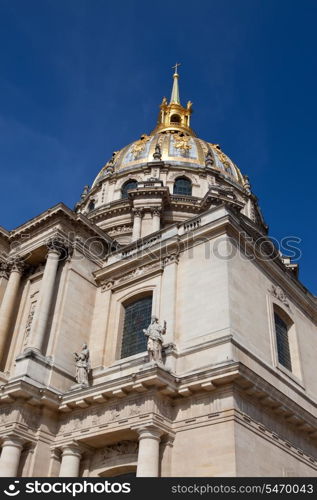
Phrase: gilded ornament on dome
pixel 222 157
pixel 139 146
pixel 182 142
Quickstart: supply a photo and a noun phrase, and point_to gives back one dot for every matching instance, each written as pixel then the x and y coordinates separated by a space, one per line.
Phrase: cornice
pixel 4 233
pixel 59 212
pixel 152 379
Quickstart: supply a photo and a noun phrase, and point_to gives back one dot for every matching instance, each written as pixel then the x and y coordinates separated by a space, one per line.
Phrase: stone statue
pixel 84 193
pixel 209 159
pixel 154 333
pixel 82 366
pixel 157 155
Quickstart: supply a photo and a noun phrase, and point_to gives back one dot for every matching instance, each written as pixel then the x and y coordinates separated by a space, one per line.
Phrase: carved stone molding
pixel 17 264
pixel 118 449
pixel 172 258
pixel 278 293
pixel 112 413
pixel 29 322
pixel 139 271
pixel 107 285
pixel 114 231
pixel 156 211
pixel 60 246
pixel 4 270
pixel 138 212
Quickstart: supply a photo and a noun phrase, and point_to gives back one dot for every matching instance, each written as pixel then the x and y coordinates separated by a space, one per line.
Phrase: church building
pixel 155 330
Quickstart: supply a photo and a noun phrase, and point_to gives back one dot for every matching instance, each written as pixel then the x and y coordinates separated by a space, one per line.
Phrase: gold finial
pixel 173 116
pixel 175 67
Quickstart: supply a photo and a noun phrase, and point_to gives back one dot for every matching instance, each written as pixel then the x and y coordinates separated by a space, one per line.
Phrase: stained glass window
pixel 137 316
pixel 182 185
pixel 131 184
pixel 282 341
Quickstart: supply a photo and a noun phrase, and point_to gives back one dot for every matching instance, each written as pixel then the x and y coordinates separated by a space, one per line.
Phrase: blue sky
pixel 82 78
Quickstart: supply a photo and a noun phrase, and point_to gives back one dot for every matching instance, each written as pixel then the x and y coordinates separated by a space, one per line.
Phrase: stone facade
pixel 221 403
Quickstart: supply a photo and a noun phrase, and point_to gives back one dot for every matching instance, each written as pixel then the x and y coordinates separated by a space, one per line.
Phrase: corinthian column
pixel 10 456
pixel 9 301
pixel 4 276
pixel 149 450
pixel 42 310
pixel 136 231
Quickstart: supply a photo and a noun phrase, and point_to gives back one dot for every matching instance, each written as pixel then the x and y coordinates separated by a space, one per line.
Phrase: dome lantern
pixel 174 116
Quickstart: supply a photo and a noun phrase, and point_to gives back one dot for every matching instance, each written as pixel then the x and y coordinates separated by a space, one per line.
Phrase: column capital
pixel 13 441
pixel 59 246
pixel 4 269
pixel 71 449
pixel 16 264
pixel 168 439
pixel 156 211
pixel 56 453
pixel 138 212
pixel 171 258
pixel 148 432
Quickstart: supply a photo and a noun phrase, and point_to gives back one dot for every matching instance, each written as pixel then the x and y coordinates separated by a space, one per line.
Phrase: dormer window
pixel 130 184
pixel 182 186
pixel 91 205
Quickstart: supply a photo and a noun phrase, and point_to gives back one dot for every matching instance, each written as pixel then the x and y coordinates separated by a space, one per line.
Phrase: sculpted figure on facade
pixel 154 334
pixel 82 365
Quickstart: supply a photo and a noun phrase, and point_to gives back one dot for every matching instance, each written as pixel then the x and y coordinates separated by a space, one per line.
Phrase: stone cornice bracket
pixel 107 285
pixel 172 258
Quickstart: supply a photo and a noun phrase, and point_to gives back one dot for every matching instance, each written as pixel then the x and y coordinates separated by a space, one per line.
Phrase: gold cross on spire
pixel 175 67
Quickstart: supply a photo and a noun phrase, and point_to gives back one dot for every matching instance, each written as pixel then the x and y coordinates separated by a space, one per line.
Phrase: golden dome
pixel 173 142
pixel 175 148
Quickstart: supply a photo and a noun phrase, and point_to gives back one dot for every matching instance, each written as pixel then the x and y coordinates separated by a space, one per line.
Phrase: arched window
pixel 282 341
pixel 130 184
pixel 175 119
pixel 91 205
pixel 137 316
pixel 182 185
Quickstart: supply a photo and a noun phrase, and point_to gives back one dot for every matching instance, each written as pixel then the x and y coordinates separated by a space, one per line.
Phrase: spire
pixel 175 90
pixel 173 116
